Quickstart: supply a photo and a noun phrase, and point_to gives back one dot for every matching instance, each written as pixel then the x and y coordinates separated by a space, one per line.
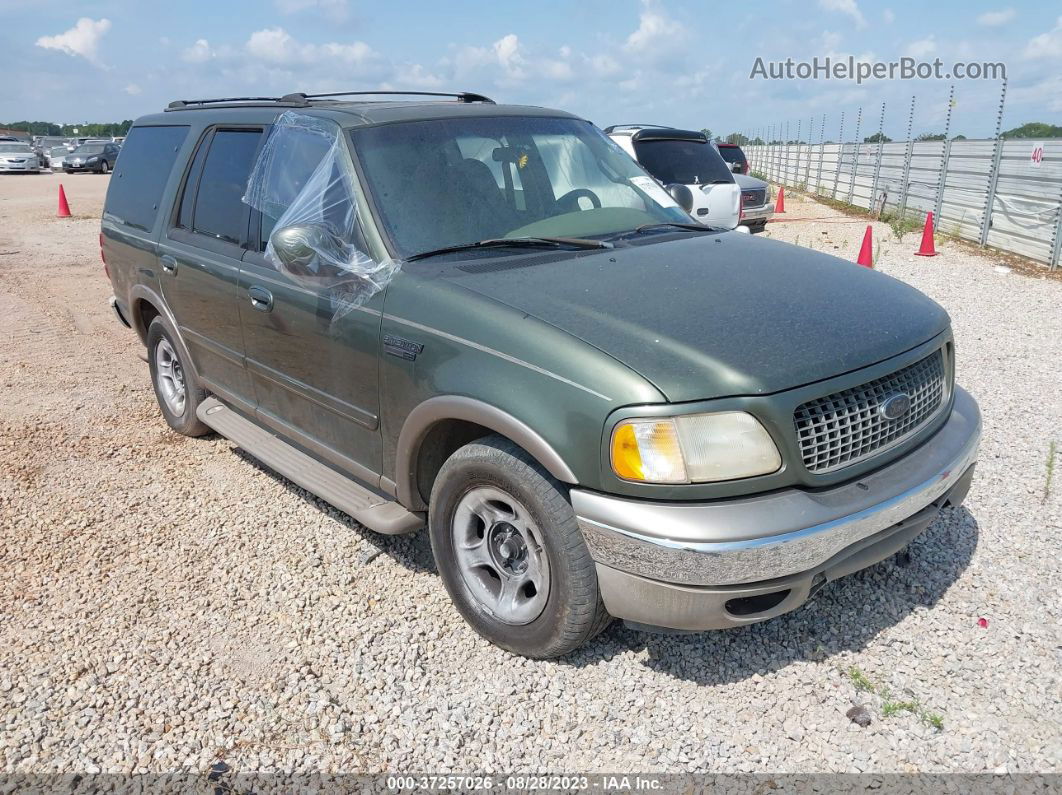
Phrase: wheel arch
pixel 145 305
pixel 436 427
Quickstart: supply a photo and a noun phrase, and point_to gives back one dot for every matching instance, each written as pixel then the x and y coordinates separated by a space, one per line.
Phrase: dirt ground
pixel 166 603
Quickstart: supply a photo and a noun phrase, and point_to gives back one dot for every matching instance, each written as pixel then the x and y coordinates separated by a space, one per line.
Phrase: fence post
pixel 796 165
pixel 877 165
pixel 785 176
pixel 907 161
pixel 1056 243
pixel 822 147
pixel 993 175
pixel 807 163
pixel 840 155
pixel 944 158
pixel 855 156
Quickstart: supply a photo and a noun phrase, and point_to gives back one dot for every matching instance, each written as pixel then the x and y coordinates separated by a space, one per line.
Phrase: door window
pixel 219 211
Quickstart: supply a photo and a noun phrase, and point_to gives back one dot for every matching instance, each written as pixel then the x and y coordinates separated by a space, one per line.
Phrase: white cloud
pixel 507 51
pixel 1046 45
pixel 200 52
pixel 277 46
pixel 847 7
pixel 992 19
pixel 604 65
pixel 83 39
pixel 334 9
pixel 655 29
pixel 921 48
pixel 888 16
pixel 132 89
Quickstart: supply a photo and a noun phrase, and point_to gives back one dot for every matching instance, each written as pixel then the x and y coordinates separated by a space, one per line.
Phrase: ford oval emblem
pixel 895 406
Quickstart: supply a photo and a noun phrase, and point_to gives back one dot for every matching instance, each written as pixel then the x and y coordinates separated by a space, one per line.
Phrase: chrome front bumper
pixel 756 214
pixel 750 544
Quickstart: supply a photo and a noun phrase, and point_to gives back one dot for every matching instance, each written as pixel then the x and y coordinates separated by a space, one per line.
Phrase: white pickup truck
pixel 685 157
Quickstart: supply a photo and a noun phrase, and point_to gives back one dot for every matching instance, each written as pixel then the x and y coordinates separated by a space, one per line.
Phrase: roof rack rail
pixel 177 104
pixel 461 96
pixel 612 127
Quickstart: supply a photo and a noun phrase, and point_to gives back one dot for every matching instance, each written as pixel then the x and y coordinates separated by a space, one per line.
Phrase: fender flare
pixel 455 407
pixel 141 292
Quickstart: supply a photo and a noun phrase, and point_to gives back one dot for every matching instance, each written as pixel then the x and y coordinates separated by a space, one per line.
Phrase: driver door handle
pixel 169 264
pixel 261 298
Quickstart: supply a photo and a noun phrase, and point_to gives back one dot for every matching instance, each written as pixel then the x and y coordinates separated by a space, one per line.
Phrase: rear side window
pixel 732 154
pixel 219 210
pixel 685 162
pixel 141 173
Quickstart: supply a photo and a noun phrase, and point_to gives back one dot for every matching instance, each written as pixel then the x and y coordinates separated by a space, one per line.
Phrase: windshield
pixel 12 148
pixel 685 162
pixel 89 149
pixel 449 182
pixel 57 150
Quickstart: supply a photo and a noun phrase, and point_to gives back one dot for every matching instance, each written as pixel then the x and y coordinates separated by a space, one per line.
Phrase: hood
pixel 718 315
pixel 746 182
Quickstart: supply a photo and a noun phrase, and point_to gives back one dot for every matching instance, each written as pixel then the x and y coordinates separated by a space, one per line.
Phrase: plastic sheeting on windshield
pixel 303 185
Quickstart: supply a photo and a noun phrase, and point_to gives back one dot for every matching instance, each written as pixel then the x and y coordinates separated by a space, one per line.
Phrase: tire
pixel 170 372
pixel 538 622
pixel 104 168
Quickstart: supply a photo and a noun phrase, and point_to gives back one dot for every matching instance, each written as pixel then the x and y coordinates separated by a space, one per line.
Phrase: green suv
pixel 489 320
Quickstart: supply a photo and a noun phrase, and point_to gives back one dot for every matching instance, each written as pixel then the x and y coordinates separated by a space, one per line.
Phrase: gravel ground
pixel 167 603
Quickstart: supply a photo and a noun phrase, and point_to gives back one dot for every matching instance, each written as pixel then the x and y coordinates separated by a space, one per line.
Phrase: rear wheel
pixel 510 553
pixel 104 168
pixel 176 387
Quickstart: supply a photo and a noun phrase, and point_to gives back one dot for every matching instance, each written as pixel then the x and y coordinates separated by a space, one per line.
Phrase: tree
pixel 707 133
pixel 877 138
pixel 1035 129
pixel 737 138
pixel 930 137
pixel 959 138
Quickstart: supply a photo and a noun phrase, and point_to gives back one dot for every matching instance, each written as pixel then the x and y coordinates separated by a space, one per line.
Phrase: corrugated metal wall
pixel 1025 216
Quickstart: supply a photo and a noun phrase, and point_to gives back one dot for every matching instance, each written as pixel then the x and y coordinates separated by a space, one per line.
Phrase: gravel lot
pixel 166 603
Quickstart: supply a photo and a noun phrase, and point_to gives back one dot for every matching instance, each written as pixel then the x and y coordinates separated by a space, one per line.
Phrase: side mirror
pixel 681 194
pixel 308 250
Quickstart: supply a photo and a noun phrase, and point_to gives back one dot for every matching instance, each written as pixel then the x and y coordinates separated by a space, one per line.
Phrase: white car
pixel 18 157
pixel 685 157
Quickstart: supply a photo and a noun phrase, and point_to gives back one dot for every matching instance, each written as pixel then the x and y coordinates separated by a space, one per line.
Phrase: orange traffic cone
pixel 866 251
pixel 64 208
pixel 779 206
pixel 927 249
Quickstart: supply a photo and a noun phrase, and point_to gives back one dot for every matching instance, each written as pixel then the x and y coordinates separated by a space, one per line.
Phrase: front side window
pixel 219 211
pixel 450 182
pixel 685 162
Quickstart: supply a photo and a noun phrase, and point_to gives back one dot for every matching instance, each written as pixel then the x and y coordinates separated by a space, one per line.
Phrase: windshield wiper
pixel 516 242
pixel 662 225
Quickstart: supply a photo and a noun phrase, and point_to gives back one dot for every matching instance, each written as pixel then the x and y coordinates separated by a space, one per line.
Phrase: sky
pixel 684 64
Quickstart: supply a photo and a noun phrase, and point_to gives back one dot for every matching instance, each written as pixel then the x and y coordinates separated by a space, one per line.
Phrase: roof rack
pixel 299 99
pixel 461 96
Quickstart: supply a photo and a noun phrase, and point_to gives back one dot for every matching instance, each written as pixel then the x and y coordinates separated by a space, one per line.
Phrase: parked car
pixel 490 320
pixel 756 201
pixel 685 163
pixel 734 157
pixel 42 144
pixel 54 157
pixel 18 157
pixel 8 139
pixel 92 156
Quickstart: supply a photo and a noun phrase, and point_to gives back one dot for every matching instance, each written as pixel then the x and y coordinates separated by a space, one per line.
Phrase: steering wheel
pixel 572 197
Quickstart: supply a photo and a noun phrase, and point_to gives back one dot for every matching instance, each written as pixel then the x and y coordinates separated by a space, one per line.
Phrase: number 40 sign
pixel 1036 157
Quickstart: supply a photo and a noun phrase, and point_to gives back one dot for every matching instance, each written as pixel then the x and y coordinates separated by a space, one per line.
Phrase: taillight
pixel 103 259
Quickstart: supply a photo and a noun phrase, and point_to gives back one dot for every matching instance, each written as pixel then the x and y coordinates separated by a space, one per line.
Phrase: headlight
pixel 699 448
pixel 92 160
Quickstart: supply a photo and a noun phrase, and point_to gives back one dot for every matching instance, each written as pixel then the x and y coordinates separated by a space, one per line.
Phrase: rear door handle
pixel 169 264
pixel 261 298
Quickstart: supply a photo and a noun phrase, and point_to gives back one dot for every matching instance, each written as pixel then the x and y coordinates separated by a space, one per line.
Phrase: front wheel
pixel 510 553
pixel 104 168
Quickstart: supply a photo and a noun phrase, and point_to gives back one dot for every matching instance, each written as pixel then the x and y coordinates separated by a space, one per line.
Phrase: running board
pixel 372 510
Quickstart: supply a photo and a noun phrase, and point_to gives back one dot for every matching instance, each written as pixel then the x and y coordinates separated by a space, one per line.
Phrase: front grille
pixel 753 198
pixel 847 426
